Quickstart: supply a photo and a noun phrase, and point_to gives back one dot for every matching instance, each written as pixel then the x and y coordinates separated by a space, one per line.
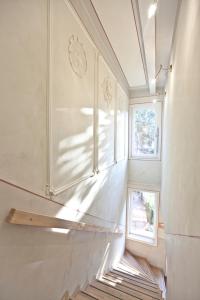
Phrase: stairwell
pixel 132 278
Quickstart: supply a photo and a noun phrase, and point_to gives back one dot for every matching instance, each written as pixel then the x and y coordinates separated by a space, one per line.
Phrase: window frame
pixel 156 157
pixel 138 238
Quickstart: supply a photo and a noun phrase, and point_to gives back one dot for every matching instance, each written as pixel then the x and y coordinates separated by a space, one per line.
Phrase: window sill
pixel 142 240
pixel 158 158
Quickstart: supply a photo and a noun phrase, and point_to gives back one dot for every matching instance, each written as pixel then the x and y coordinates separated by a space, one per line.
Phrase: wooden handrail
pixel 161 225
pixel 19 217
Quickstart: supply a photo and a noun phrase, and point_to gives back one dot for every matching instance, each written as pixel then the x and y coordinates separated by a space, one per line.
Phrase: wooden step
pixel 130 276
pixel 83 296
pixel 130 271
pixel 129 260
pixel 131 279
pixel 135 287
pixel 120 291
pixel 137 282
pixel 98 293
pixel 160 280
pixel 146 267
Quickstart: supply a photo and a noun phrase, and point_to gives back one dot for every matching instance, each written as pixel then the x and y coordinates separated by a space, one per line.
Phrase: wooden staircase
pixel 132 278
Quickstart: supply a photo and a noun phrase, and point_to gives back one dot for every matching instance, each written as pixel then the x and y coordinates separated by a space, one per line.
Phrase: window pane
pixel 142 214
pixel 146 120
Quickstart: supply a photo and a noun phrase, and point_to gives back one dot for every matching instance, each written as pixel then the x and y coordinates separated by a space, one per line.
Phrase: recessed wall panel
pixel 72 77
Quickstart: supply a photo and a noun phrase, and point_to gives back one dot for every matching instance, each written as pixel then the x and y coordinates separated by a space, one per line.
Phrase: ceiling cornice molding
pixel 90 20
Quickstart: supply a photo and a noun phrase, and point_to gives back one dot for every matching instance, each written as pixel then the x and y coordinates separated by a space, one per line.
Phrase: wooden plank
pixel 126 275
pixel 159 278
pixel 138 274
pixel 154 294
pixel 99 294
pixel 120 292
pixel 136 282
pixel 135 272
pixel 146 267
pixel 130 261
pixel 83 296
pixel 30 219
pixel 130 291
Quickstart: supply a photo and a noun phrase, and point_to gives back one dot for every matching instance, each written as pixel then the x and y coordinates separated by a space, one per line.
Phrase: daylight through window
pixel 143 216
pixel 145 125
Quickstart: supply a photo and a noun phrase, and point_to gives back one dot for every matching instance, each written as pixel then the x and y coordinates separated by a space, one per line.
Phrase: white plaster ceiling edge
pixel 92 24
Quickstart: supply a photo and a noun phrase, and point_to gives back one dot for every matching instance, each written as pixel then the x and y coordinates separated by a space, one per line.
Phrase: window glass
pixel 142 216
pixel 145 130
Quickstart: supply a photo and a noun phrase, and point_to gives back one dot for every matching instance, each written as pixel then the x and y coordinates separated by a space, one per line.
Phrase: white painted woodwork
pixel 146 174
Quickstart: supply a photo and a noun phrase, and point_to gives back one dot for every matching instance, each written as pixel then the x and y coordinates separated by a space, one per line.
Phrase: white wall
pixel 37 263
pixel 146 174
pixel 181 158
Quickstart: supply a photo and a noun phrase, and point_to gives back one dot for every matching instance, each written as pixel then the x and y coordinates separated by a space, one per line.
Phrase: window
pixel 142 212
pixel 145 129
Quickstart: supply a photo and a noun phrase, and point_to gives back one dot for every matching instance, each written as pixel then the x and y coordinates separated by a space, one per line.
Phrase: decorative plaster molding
pixel 79 64
pixel 90 20
pixel 77 56
pixel 107 90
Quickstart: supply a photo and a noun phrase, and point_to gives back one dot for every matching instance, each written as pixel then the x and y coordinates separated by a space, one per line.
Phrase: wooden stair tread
pixel 83 296
pixel 135 281
pixel 98 293
pixel 131 279
pixel 132 262
pixel 117 294
pixel 131 276
pixel 155 294
pixel 159 279
pixel 121 291
pixel 146 267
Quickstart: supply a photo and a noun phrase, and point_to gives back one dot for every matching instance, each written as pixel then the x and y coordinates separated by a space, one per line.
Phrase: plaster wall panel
pixel 146 172
pixel 183 267
pixel 97 196
pixel 181 155
pixel 72 83
pixel 23 47
pixel 43 263
pixel 106 115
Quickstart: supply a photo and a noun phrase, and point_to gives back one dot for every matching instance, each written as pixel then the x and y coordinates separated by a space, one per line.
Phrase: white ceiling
pixel 117 18
pixel 165 23
pixel 140 44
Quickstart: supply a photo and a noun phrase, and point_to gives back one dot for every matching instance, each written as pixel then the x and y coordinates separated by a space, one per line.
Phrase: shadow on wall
pixel 43 263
